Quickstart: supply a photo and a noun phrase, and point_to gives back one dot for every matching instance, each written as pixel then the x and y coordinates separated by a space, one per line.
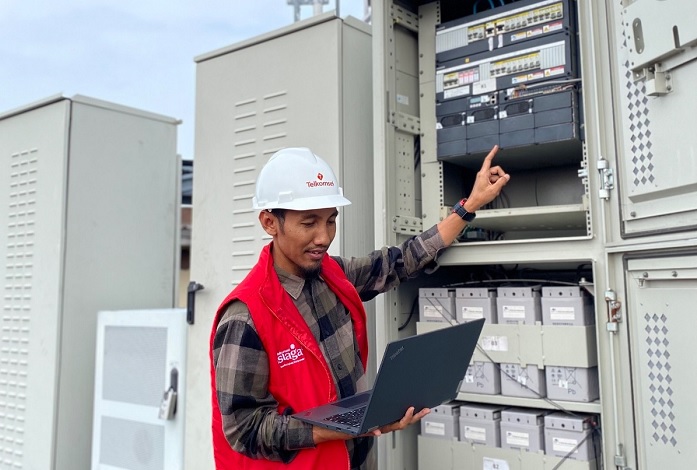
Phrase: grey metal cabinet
pixel 626 192
pixel 306 85
pixel 89 202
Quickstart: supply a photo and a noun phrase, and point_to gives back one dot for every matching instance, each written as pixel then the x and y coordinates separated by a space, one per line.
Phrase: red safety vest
pixel 299 377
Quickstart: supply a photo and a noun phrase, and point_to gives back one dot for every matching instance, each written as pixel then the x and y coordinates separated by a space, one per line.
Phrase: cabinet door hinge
pixel 607 179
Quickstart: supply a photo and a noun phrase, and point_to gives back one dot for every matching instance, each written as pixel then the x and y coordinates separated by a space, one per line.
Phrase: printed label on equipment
pixel 552 27
pixel 433 311
pixel 469 378
pixel 562 313
pixel 475 433
pixel 484 86
pixel 560 444
pixel 564 384
pixel 514 311
pixel 495 343
pixel 495 464
pixel 518 439
pixel 472 313
pixel 403 99
pixel 462 91
pixel 437 429
pixel 535 32
pixel 550 72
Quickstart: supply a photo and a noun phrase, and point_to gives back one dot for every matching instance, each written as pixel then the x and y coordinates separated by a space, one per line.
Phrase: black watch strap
pixel 460 210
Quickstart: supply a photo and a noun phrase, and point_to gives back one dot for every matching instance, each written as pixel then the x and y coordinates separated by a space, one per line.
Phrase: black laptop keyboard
pixel 349 418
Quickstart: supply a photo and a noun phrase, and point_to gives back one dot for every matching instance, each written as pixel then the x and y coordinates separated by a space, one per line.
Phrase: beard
pixel 311 273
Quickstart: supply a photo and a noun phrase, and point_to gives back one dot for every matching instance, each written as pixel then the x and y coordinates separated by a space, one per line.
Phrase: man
pixel 293 335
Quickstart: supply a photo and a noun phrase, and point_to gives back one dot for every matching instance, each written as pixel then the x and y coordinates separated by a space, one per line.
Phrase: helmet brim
pixel 307 203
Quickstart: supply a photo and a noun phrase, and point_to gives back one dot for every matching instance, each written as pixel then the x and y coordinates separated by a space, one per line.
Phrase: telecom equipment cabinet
pixel 89 202
pixel 612 212
pixel 305 85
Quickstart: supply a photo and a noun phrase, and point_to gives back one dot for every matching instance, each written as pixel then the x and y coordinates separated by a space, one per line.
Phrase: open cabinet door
pixel 139 398
pixel 657 144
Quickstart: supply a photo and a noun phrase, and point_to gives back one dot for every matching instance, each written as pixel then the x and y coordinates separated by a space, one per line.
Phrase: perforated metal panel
pixel 659 378
pixel 661 294
pixel 654 123
pixel 134 359
pixel 17 301
pixel 131 445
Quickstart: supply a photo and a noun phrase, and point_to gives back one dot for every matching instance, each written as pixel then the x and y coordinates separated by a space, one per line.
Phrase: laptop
pixel 422 371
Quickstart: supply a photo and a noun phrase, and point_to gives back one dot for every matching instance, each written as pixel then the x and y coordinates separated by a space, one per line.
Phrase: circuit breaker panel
pixel 509 76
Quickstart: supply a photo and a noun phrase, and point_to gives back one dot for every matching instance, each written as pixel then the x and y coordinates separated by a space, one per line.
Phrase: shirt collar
pixel 291 283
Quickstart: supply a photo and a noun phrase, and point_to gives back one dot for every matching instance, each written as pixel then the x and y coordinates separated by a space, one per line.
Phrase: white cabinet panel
pixel 662 294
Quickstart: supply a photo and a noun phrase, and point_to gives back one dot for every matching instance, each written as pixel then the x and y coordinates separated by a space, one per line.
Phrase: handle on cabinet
pixel 191 300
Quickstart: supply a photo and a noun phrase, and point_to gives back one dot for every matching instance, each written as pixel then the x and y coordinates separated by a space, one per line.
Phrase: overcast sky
pixel 137 53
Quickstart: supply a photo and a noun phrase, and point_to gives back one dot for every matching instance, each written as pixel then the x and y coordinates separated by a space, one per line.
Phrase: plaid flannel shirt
pixel 251 422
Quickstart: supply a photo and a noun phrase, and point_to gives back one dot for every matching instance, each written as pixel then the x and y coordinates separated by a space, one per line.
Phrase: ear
pixel 268 222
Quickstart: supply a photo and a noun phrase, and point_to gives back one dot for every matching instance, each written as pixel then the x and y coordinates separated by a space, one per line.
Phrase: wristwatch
pixel 460 210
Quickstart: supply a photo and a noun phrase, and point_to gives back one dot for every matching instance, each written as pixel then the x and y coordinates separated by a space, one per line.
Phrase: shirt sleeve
pixel 386 268
pixel 251 423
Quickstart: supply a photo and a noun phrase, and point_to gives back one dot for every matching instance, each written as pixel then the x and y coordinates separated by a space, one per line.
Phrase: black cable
pixel 411 314
pixel 536 281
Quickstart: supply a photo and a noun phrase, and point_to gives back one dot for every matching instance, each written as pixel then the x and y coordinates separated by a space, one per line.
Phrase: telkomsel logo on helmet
pixel 319 182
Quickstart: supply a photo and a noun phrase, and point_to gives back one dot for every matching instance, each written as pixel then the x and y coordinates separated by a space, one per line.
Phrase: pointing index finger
pixel 487 161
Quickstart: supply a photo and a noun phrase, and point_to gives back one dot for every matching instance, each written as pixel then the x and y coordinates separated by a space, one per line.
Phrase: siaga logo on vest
pixel 319 182
pixel 290 356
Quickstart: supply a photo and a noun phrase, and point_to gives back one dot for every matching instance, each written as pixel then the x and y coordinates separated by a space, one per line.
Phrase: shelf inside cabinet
pixel 581 407
pixel 559 217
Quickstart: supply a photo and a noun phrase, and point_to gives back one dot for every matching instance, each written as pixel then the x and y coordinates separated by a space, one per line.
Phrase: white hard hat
pixel 297 179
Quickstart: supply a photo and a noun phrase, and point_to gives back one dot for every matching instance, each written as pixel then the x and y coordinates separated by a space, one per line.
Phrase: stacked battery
pixel 554 433
pixel 554 306
pixel 570 436
pixel 437 304
pixel 523 428
pixel 442 422
pixel 481 424
pixel 519 305
pixel 569 306
pixel 508 77
pixel 470 304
